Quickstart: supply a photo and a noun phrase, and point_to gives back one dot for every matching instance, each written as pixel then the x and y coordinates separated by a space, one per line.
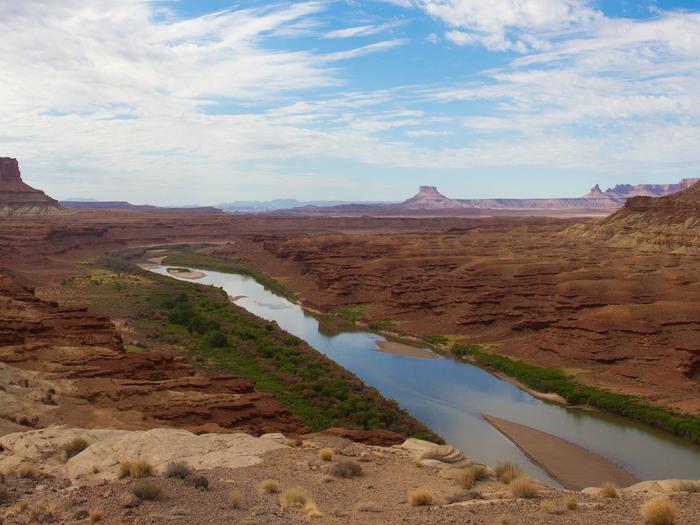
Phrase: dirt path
pixel 572 465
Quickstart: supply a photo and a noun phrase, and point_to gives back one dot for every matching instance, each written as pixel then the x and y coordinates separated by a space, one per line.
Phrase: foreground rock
pixel 18 198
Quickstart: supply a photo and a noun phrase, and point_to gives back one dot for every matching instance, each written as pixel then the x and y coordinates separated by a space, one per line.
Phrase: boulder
pixel 430 454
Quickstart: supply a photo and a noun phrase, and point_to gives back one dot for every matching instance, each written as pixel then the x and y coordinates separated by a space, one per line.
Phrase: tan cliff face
pixel 17 197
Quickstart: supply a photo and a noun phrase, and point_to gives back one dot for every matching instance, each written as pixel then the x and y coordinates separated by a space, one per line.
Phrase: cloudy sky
pixel 204 101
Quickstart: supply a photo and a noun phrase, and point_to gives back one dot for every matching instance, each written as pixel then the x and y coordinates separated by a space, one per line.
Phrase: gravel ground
pixel 378 496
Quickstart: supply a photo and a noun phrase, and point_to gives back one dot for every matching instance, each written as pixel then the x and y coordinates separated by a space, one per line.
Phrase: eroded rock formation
pixel 17 197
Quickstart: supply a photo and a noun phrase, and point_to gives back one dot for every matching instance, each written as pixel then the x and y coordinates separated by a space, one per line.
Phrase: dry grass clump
pixel 269 486
pixel 549 507
pixel 470 475
pixel 507 472
pixel 523 488
pixel 660 511
pixel 235 498
pixel 326 454
pixel 42 513
pixel 26 471
pixel 74 447
pixel 135 469
pixel 312 511
pixel 96 516
pixel 571 504
pixel 177 469
pixel 346 469
pixel 420 497
pixel 293 497
pixel 687 486
pixel 146 489
pixel 609 490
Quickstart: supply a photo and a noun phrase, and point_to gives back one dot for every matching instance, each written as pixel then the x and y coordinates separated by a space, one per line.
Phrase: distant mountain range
pixel 89 204
pixel 427 200
pixel 280 204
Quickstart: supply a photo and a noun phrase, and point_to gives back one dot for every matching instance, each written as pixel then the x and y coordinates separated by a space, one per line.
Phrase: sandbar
pixel 572 465
pixel 392 347
pixel 185 273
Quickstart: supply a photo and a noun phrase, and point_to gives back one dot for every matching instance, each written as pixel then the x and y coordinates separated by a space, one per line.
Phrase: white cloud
pixel 505 25
pixel 365 50
pixel 360 31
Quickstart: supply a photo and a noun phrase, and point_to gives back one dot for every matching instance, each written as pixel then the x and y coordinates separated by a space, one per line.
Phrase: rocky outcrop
pixel 669 223
pixel 17 197
pixel 108 447
pixel 69 366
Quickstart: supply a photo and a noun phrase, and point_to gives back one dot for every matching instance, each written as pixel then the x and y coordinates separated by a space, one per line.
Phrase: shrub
pixel 523 488
pixel 293 497
pixel 177 469
pixel 549 507
pixel 346 469
pixel 4 494
pixel 74 447
pixel 660 511
pixel 200 482
pixel 269 486
pixel 217 339
pixel 609 490
pixel 146 489
pixel 135 469
pixel 420 498
pixel 571 504
pixel 96 516
pixel 26 471
pixel 436 339
pixel 467 479
pixel 687 486
pixel 42 513
pixel 507 472
pixel 326 454
pixel 235 498
pixel 312 511
pixel 470 475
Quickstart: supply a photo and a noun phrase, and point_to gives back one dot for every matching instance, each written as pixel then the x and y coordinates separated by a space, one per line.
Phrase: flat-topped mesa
pixel 17 197
pixel 428 197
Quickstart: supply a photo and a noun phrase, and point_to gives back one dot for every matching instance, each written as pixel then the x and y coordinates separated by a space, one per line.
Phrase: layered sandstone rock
pixel 65 365
pixel 17 197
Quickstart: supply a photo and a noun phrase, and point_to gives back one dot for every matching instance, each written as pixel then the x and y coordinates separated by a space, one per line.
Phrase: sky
pixel 209 101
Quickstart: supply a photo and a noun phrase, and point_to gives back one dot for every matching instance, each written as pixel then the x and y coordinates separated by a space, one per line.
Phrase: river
pixel 449 395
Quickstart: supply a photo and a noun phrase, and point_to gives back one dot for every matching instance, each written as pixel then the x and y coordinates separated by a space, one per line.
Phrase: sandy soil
pixel 392 347
pixel 561 458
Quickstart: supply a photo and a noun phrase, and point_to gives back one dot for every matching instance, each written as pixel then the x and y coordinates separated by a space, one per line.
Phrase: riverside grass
pixel 555 380
pixel 185 315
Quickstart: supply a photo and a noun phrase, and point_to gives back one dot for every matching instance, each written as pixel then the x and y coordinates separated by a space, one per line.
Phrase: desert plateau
pixel 350 262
